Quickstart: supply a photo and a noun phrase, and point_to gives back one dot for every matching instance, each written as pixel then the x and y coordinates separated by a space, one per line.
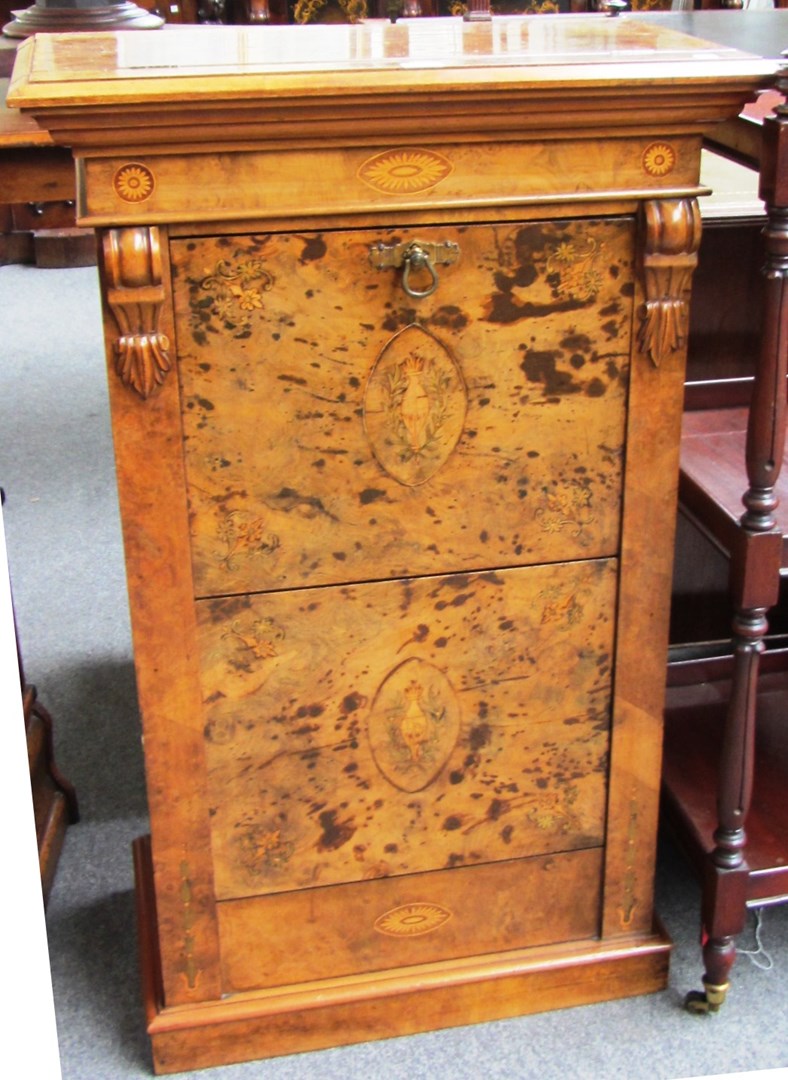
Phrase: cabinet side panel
pixel 668 245
pixel 147 438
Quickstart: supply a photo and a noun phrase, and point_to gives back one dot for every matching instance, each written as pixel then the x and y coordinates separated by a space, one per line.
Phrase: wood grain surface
pixel 301 468
pixel 399 561
pixel 372 730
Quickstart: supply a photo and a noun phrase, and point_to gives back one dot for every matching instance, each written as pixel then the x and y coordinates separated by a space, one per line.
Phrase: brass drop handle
pixel 414 257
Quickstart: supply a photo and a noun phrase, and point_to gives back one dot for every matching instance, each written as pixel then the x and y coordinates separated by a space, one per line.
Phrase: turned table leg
pixel 755 570
pixel 725 879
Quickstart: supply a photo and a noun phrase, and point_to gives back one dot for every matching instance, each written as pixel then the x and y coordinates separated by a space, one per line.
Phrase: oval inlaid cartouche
pixel 405 171
pixel 411 920
pixel 414 724
pixel 414 406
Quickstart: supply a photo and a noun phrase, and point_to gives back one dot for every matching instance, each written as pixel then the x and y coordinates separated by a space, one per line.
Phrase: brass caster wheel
pixel 706 1001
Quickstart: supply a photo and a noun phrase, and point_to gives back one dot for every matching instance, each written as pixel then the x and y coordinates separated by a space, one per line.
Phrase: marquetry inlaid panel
pixel 385 923
pixel 374 730
pixel 413 174
pixel 396 322
pixel 337 429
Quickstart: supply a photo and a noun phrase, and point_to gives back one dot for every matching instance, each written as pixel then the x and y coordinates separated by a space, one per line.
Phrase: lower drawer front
pixel 394 728
pixel 417 919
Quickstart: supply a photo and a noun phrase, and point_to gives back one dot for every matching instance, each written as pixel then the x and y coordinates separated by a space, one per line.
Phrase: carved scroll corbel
pixel 672 238
pixel 135 294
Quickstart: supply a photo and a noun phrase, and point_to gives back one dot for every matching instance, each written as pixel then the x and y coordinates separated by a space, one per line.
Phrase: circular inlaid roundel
pixel 133 182
pixel 659 159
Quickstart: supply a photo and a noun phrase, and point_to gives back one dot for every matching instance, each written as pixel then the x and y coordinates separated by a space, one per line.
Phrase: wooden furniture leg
pixel 755 568
pixel 54 798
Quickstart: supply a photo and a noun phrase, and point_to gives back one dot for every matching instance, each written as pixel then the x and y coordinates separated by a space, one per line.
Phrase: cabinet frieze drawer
pixel 274 183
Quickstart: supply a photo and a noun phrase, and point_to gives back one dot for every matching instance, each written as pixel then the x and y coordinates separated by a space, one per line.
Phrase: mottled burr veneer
pixel 396 321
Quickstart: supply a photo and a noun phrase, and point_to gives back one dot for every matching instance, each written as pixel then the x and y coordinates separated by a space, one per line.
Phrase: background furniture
pixel 30 1033
pixel 396 474
pixel 52 16
pixel 725 705
pixel 54 799
pixel 38 223
pixel 37 188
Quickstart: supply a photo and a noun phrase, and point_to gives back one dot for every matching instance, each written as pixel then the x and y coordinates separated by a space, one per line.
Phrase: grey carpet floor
pixel 66 564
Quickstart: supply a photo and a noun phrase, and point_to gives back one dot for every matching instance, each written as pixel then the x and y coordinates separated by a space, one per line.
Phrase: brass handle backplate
pixel 415 257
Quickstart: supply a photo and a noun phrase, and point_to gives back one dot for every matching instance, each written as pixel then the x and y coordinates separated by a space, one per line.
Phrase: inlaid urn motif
pixel 414 724
pixel 414 407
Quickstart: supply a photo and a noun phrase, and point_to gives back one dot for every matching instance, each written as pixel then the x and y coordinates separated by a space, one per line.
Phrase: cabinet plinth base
pixel 386 1004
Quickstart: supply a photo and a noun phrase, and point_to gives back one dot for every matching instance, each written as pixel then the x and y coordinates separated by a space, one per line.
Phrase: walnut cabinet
pixel 395 320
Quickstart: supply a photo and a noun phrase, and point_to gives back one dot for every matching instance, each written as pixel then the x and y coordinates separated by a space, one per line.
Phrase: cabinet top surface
pixel 376 56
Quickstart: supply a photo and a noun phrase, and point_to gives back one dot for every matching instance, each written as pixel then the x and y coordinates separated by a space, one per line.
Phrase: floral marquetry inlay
pixel 410 920
pixel 263 849
pixel 188 961
pixel 227 297
pixel 659 159
pixel 567 507
pixel 572 269
pixel 414 407
pixel 133 182
pixel 403 172
pixel 243 536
